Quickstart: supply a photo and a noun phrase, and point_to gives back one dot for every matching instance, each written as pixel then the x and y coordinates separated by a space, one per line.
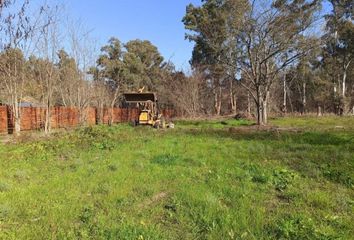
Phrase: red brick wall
pixel 3 119
pixel 32 118
pixel 65 117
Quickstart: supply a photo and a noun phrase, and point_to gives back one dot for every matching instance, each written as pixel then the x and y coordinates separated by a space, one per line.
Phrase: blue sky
pixel 156 20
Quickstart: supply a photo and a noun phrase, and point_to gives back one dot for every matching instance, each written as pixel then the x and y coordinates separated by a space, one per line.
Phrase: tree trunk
pixel 290 103
pixel 217 99
pixel 265 109
pixel 232 99
pixel 216 102
pixel 343 83
pixel 264 113
pixel 110 123
pixel 335 104
pixel 319 111
pixel 259 106
pixel 47 125
pixel 284 110
pixel 101 113
pixel 17 122
pixel 17 118
pixel 113 103
pixel 304 98
pixel 248 105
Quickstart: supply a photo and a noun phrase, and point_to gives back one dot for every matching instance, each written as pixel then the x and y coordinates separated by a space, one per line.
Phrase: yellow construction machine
pixel 148 109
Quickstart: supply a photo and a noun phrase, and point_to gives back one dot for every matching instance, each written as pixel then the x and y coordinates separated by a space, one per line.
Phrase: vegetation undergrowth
pixel 197 181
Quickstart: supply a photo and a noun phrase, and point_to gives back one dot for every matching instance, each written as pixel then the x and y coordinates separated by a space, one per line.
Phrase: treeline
pixel 250 57
pixel 275 56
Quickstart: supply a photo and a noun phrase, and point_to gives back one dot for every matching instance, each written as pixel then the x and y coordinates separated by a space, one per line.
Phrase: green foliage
pixel 143 65
pixel 282 178
pixel 210 26
pixel 130 66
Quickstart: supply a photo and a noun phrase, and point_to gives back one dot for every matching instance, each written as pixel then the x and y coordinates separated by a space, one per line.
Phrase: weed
pixel 282 178
pixel 86 214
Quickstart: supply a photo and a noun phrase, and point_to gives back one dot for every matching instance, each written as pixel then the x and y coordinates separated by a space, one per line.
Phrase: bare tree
pixel 47 47
pixel 18 28
pixel 273 37
pixel 83 50
pixel 186 93
pixel 12 71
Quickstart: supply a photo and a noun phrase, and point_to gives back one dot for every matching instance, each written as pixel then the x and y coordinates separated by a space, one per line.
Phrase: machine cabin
pixel 147 105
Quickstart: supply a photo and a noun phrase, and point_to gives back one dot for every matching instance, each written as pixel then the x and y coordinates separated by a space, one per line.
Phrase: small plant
pixel 86 215
pixel 282 178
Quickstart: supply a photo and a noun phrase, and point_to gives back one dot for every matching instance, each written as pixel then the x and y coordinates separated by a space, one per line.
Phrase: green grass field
pixel 197 181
